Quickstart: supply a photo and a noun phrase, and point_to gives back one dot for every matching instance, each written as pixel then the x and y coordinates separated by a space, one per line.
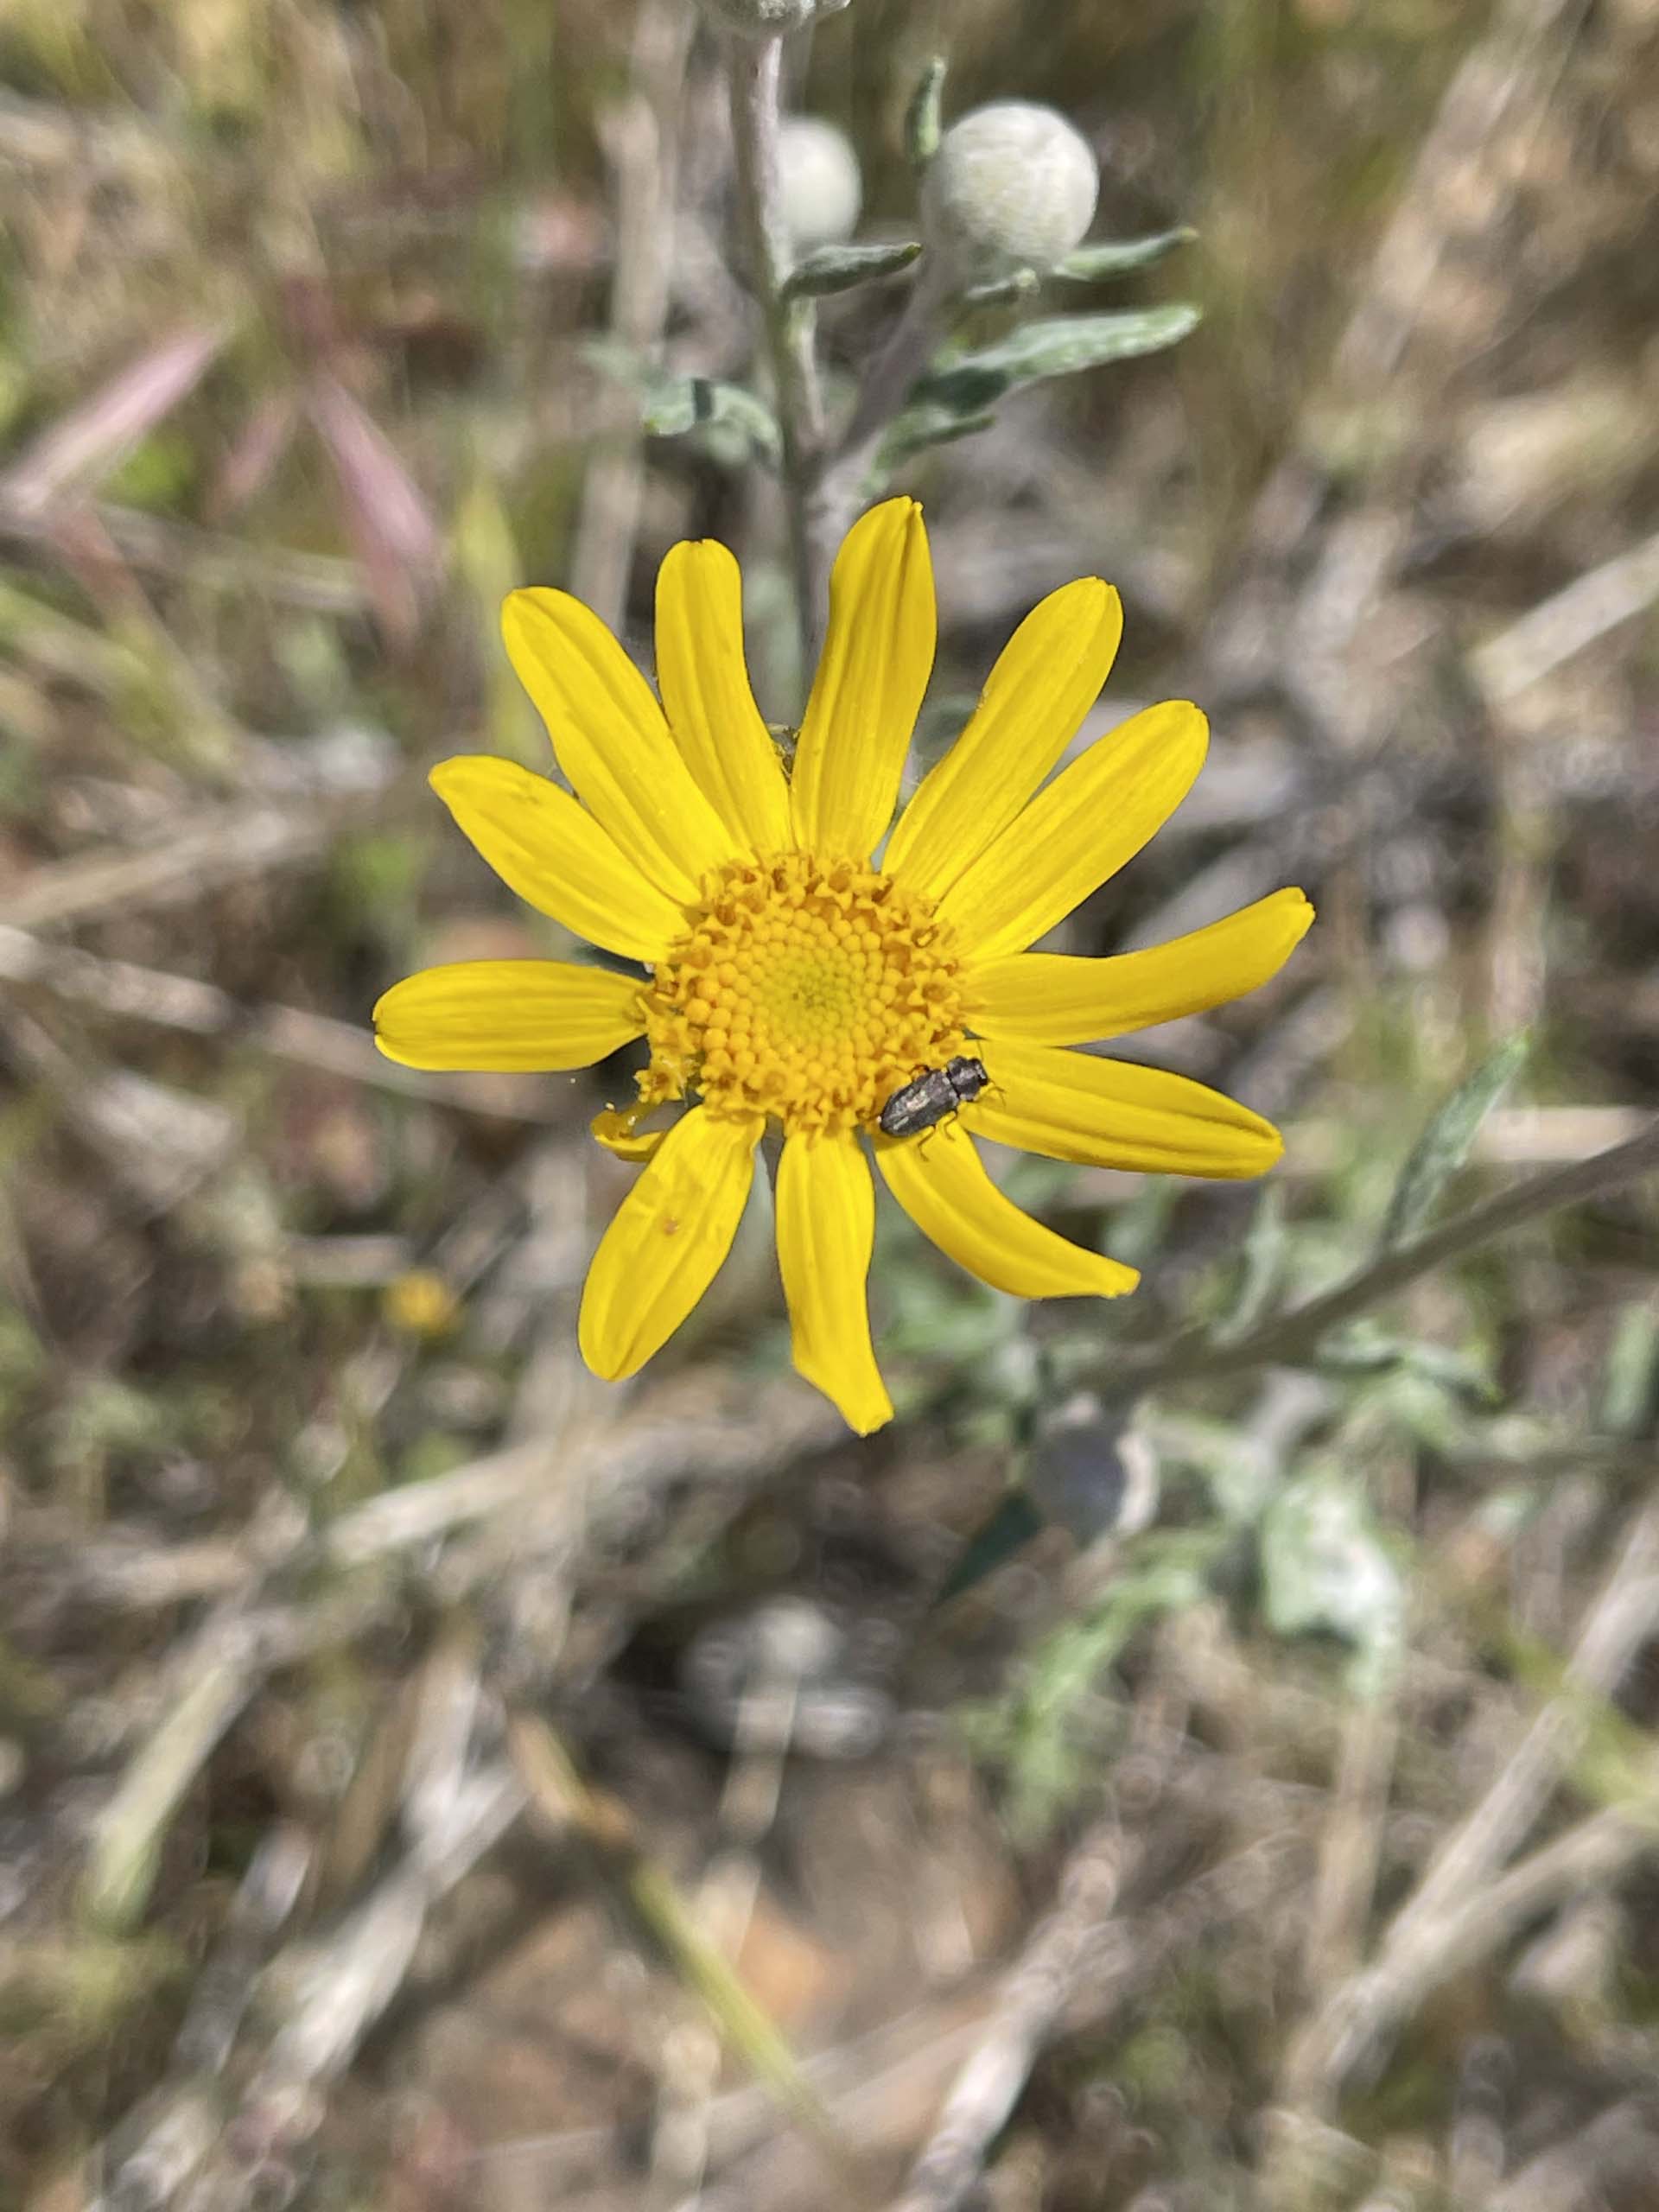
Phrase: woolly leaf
pixel 678 404
pixel 922 115
pixel 1002 291
pixel 1057 345
pixel 1090 264
pixel 1325 1571
pixel 1445 1144
pixel 839 268
pixel 918 427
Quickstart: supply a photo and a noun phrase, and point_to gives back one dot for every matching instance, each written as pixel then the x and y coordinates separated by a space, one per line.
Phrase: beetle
pixel 926 1099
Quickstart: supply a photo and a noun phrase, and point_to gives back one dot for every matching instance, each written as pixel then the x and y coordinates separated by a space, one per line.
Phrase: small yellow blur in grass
pixel 419 1303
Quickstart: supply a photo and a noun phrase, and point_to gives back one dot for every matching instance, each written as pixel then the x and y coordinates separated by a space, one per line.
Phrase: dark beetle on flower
pixel 925 1101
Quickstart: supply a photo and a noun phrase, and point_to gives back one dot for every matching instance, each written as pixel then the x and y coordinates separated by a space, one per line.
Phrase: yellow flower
pixel 798 981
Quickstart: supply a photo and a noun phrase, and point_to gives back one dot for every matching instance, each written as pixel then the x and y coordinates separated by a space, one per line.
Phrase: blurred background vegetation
pixel 429 1778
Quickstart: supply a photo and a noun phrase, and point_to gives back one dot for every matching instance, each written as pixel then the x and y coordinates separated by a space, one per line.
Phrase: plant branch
pixel 753 68
pixel 1465 1905
pixel 1293 1336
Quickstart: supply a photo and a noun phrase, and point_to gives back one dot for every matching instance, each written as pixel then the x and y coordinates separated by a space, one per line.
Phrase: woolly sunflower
pixel 798 981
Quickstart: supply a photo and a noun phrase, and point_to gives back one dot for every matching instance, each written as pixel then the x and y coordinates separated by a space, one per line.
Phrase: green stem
pixel 754 75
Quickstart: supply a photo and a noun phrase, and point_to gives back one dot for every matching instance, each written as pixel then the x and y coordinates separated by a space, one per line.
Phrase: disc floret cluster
pixel 805 990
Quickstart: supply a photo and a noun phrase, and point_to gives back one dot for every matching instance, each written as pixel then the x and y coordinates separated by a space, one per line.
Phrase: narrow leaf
pixel 1002 291
pixel 918 427
pixel 392 532
pixel 566 1800
pixel 681 403
pixel 92 438
pixel 1266 1249
pixel 486 560
pixel 1445 1144
pixel 1058 345
pixel 923 115
pixel 1012 1524
pixel 254 456
pixel 839 268
pixel 1116 256
pixel 1362 1348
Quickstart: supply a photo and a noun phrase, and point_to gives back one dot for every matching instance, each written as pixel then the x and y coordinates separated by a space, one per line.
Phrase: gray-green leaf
pixel 1267 1247
pixel 922 115
pixel 839 268
pixel 1058 345
pixel 1364 1348
pixel 1445 1144
pixel 1090 264
pixel 1325 1569
pixel 681 403
pixel 920 427
pixel 1002 291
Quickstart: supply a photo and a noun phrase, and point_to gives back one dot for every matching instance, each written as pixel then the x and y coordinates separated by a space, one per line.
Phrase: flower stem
pixel 753 70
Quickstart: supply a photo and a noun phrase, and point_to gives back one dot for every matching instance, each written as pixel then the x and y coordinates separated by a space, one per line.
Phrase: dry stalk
pixel 175 2130
pixel 641 140
pixel 568 1805
pixel 127 993
pixel 317 583
pixel 322 1996
pixel 215 846
pixel 211 1677
pixel 1565 623
pixel 1461 1912
pixel 1027 2011
pixel 1613 2160
pixel 1351 1846
pixel 1082 1966
pixel 1459 188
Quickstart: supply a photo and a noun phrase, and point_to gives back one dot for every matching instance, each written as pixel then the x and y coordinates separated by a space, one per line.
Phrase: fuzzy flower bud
pixel 768 18
pixel 821 189
pixel 1012 186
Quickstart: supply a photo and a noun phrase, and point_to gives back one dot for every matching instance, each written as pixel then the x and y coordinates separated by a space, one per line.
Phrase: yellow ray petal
pixel 611 740
pixel 940 1181
pixel 1079 830
pixel 704 679
pixel 666 1244
pixel 1048 998
pixel 528 1014
pixel 618 1129
pixel 826 1227
pixel 1115 1114
pixel 550 850
pixel 877 656
pixel 1046 679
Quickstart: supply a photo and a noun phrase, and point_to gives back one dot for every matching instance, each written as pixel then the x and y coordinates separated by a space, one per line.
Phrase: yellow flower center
pixel 806 989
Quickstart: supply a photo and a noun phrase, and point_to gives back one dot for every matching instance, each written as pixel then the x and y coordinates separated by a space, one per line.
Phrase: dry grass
pixel 429 1778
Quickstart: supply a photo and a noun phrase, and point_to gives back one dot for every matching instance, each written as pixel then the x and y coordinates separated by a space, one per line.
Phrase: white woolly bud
pixel 768 18
pixel 820 189
pixel 1012 186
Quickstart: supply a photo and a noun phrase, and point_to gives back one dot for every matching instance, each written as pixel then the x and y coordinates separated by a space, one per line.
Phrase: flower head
pixel 1012 186
pixel 801 972
pixel 820 187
